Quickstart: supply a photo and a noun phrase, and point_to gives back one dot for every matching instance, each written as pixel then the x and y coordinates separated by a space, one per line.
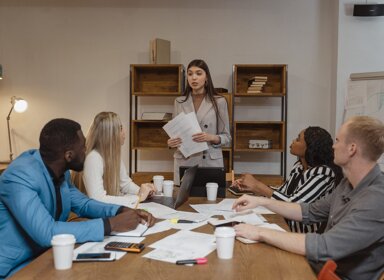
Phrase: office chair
pixel 328 271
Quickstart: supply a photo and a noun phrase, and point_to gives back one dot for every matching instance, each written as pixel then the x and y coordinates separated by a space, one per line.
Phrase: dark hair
pixel 209 88
pixel 319 150
pixel 57 136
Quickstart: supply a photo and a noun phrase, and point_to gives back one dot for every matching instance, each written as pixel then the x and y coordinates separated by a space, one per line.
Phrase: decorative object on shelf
pixel 156 116
pixel 260 144
pixel 160 51
pixel 19 105
pixel 1 72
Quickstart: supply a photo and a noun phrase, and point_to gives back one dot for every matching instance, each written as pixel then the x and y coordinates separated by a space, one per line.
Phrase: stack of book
pixel 256 84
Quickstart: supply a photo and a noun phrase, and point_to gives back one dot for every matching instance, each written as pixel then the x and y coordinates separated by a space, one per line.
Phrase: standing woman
pixel 104 176
pixel 212 114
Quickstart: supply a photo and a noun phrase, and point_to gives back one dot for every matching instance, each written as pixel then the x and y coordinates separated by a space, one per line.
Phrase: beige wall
pixel 71 58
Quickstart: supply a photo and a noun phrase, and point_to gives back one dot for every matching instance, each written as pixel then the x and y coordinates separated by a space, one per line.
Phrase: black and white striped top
pixel 306 186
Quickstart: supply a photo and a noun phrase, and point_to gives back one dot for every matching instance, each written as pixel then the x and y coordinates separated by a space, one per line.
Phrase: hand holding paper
pixel 183 126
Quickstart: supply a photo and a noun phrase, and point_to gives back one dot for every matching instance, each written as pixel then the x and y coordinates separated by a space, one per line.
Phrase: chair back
pixel 328 271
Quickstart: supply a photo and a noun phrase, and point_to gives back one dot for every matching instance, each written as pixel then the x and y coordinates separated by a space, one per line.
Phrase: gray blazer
pixel 213 157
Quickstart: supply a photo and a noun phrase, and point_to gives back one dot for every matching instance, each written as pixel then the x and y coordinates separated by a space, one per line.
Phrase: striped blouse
pixel 306 186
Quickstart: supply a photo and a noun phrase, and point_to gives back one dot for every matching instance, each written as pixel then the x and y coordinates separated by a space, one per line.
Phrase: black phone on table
pixel 105 256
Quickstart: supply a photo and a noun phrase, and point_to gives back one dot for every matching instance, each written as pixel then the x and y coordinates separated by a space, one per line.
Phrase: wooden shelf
pixel 148 134
pixel 276 82
pixel 245 131
pixel 157 79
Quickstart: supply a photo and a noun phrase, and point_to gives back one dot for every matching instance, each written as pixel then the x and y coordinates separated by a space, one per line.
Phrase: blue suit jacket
pixel 27 211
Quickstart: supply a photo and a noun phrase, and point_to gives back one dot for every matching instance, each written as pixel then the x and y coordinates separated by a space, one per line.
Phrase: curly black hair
pixel 319 150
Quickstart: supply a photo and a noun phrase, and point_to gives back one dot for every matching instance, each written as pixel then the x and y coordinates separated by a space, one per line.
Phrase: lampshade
pixel 19 104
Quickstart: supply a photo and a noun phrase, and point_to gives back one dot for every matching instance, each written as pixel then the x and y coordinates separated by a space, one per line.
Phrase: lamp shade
pixel 20 105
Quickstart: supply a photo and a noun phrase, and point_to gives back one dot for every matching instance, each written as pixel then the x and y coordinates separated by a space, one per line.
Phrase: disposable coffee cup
pixel 168 188
pixel 63 245
pixel 158 183
pixel 225 241
pixel 212 191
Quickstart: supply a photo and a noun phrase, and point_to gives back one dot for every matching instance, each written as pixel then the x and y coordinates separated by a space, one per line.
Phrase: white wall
pixel 360 49
pixel 71 58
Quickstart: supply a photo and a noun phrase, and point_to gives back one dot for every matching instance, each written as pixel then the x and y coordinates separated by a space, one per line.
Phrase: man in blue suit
pixel 36 197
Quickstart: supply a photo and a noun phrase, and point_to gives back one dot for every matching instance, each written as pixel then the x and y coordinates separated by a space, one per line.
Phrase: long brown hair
pixel 209 89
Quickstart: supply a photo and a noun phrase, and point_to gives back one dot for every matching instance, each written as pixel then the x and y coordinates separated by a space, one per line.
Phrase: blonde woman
pixel 104 176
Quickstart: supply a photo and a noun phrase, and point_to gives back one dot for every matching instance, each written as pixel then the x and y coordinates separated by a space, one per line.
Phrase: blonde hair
pixel 104 136
pixel 369 132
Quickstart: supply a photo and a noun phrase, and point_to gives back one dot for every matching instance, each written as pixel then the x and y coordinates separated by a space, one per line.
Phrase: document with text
pixel 184 126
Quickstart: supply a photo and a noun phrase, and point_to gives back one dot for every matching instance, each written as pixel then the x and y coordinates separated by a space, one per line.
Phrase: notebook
pixel 183 193
pixel 205 175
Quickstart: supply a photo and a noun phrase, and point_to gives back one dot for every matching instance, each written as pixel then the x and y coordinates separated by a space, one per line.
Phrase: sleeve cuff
pixel 107 226
pixel 218 145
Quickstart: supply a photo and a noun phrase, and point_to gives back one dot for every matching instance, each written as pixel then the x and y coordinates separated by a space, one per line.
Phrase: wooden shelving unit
pixel 148 81
pixel 261 129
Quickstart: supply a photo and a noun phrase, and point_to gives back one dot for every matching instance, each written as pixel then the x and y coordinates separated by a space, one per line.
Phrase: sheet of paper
pixel 184 126
pixel 182 245
pixel 156 209
pixel 98 247
pixel 138 231
pixel 183 215
pixel 209 209
pixel 226 205
pixel 158 227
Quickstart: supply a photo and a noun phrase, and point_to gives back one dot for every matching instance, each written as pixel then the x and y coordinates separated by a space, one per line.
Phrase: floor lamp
pixel 20 105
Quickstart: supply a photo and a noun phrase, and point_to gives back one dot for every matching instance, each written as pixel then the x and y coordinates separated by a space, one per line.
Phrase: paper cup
pixel 158 183
pixel 212 191
pixel 63 245
pixel 225 241
pixel 168 188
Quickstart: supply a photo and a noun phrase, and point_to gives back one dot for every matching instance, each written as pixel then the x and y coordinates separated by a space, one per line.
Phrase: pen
pixel 193 261
pixel 138 201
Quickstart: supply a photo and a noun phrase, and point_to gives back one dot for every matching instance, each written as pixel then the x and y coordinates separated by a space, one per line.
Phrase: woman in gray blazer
pixel 212 114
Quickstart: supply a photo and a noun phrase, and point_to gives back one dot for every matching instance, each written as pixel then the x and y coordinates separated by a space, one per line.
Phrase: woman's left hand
pixel 146 190
pixel 204 137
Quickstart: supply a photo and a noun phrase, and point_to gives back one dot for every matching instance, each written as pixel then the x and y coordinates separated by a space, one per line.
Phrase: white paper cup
pixel 212 191
pixel 225 241
pixel 168 188
pixel 63 245
pixel 158 183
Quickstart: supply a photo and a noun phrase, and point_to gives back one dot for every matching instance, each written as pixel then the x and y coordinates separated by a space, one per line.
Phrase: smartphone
pixel 236 191
pixel 125 246
pixel 94 257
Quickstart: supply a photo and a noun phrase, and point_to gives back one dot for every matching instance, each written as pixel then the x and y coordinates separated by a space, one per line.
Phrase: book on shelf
pixel 259 78
pixel 156 116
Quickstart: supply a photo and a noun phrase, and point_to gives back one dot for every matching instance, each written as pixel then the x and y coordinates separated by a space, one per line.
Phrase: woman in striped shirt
pixel 313 175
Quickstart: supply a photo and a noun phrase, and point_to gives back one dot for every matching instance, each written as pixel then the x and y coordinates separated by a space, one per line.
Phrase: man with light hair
pixel 354 235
